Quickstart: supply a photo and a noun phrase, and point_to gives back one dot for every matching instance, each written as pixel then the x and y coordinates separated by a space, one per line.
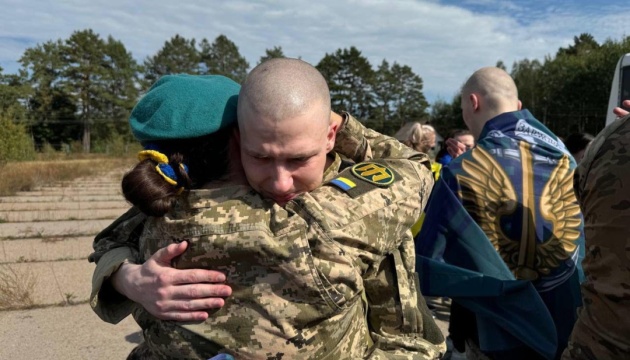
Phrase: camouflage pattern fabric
pixel 602 180
pixel 299 273
pixel 114 245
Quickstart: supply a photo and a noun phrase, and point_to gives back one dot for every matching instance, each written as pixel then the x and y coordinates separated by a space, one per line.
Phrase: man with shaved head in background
pixel 517 186
pixel 286 139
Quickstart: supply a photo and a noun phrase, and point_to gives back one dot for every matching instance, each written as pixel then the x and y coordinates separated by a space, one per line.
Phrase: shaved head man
pixel 517 185
pixel 285 128
pixel 489 92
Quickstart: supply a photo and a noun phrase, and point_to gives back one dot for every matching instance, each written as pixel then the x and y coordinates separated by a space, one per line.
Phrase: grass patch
pixel 26 175
pixel 16 288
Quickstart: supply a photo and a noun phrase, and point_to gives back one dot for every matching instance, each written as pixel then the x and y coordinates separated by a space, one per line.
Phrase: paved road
pixel 45 237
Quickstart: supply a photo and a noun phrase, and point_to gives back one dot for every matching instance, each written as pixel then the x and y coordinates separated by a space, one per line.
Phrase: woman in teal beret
pixel 185 123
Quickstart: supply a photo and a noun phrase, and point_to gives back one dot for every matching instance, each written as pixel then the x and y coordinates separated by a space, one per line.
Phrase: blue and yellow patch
pixel 374 173
pixel 343 183
pixel 364 177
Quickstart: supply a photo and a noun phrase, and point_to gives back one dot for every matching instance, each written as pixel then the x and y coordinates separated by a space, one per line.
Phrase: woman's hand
pixel 168 293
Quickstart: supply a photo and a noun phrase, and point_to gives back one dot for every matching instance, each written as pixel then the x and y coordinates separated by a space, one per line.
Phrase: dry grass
pixel 26 175
pixel 16 288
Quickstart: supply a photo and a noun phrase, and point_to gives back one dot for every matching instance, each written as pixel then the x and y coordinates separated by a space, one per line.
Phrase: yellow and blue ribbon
pixel 163 167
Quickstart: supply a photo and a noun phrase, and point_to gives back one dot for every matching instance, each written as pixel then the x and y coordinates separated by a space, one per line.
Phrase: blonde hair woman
pixel 417 136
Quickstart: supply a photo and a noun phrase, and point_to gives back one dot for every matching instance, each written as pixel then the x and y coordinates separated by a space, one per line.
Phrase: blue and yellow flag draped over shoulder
pixel 510 202
pixel 509 312
pixel 517 184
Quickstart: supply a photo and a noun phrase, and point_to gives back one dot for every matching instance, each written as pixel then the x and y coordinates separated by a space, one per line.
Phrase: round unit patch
pixel 373 173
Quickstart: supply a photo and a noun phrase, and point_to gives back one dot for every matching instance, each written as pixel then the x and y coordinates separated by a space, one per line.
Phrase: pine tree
pixel 223 58
pixel 274 53
pixel 51 109
pixel 178 56
pixel 350 78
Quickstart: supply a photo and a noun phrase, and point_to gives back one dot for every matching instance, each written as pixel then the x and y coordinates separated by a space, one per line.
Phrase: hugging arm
pixel 122 281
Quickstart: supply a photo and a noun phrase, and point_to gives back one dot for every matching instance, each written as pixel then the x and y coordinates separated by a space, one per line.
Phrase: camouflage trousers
pixel 586 344
pixel 141 352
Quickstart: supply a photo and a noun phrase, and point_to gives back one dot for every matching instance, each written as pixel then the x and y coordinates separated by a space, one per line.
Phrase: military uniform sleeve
pixel 117 244
pixel 359 143
pixel 401 325
pixel 373 225
pixel 602 180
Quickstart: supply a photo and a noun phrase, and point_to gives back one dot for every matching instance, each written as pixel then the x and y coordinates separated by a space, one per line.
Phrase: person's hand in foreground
pixel 168 293
pixel 621 112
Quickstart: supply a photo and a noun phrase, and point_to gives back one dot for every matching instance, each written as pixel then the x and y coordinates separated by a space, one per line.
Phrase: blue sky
pixel 443 41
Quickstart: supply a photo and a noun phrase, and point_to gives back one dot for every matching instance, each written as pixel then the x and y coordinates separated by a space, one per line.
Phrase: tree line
pixel 568 91
pixel 83 88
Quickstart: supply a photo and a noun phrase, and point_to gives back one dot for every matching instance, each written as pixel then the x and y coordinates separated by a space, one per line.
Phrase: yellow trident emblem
pixel 373 173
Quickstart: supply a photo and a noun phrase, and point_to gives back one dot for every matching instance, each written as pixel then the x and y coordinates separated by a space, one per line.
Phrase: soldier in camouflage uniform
pixel 298 293
pixel 602 180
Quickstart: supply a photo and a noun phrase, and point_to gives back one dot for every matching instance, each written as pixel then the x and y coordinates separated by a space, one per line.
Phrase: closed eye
pixel 260 157
pixel 301 159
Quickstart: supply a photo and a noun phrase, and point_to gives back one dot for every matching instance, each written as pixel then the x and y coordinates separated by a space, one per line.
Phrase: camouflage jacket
pixel 602 180
pixel 299 272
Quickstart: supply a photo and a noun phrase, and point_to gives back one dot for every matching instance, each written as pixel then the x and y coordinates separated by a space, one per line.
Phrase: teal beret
pixel 185 106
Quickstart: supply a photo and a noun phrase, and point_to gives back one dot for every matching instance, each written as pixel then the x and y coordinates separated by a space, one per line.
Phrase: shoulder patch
pixel 363 177
pixel 374 173
pixel 343 183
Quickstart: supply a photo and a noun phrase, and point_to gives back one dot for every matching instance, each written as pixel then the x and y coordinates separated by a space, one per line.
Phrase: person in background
pixel 420 137
pixel 577 143
pixel 429 137
pixel 411 134
pixel 461 136
pixel 516 185
pixel 602 180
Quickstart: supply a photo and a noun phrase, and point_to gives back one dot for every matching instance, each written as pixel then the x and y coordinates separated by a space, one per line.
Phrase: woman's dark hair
pixel 206 158
pixel 577 142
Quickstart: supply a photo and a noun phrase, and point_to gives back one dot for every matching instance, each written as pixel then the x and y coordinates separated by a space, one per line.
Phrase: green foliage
pixel 223 58
pixel 16 144
pixel 274 53
pixel 399 98
pixel 12 90
pixel 84 87
pixel 117 145
pixel 385 99
pixel 178 56
pixel 568 92
pixel 81 85
pixel 350 78
pixel 447 116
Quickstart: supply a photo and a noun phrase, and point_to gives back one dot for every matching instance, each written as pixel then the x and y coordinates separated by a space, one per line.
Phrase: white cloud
pixel 442 43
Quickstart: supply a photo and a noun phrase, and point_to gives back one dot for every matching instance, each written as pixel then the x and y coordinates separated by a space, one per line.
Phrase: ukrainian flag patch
pixel 343 183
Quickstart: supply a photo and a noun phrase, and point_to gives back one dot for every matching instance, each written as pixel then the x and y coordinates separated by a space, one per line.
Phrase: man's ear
pixel 520 105
pixel 474 102
pixel 331 136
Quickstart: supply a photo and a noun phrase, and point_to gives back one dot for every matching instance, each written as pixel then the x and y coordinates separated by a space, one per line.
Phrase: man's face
pixel 467 140
pixel 285 158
